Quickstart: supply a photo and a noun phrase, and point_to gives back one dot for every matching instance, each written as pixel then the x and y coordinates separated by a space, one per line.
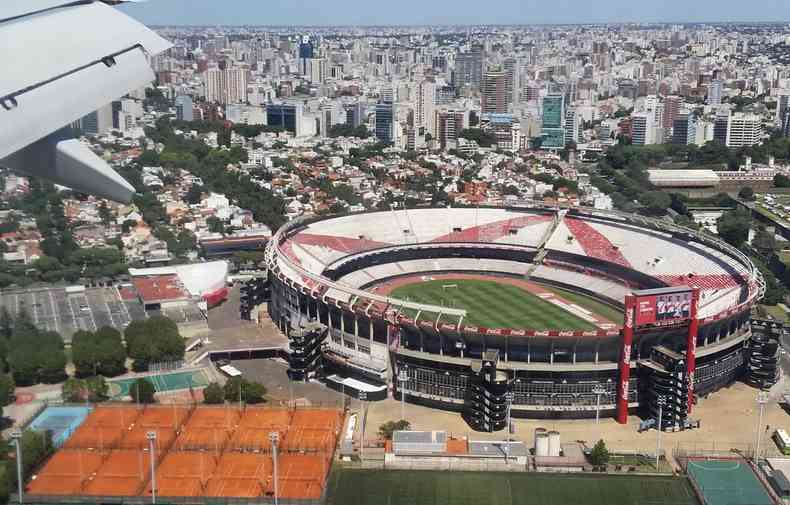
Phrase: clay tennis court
pixel 183 474
pixel 200 451
pixel 312 430
pixel 301 476
pixel 65 472
pixel 123 473
pixel 254 428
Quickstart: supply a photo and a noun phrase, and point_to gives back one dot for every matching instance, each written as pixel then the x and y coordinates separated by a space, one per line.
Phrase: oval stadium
pixel 497 312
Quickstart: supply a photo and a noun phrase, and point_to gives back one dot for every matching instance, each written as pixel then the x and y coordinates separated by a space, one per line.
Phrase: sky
pixel 443 12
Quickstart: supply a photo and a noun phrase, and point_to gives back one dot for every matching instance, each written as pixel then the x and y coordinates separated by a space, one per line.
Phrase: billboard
pixel 663 306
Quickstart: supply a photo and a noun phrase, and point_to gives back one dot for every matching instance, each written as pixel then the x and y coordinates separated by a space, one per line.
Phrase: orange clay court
pixel 200 451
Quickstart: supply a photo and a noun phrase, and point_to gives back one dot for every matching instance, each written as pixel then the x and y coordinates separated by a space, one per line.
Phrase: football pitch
pixel 406 487
pixel 492 304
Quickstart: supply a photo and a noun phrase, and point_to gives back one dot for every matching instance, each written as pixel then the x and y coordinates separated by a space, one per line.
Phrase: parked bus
pixel 782 440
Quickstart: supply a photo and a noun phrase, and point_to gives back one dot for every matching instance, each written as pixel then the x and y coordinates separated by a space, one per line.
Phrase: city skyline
pixel 443 12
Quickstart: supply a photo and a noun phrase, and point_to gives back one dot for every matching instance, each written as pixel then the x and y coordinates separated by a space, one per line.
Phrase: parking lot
pixel 53 309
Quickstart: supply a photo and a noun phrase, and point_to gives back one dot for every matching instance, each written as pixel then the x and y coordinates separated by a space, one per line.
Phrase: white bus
pixel 230 371
pixel 782 440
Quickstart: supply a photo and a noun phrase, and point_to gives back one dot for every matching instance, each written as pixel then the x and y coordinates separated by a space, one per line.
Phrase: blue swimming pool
pixel 61 421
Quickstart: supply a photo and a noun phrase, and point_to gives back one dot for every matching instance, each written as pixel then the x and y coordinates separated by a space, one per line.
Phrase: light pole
pixel 16 436
pixel 598 391
pixel 762 399
pixel 151 436
pixel 274 437
pixel 661 402
pixel 362 397
pixel 403 378
pixel 509 400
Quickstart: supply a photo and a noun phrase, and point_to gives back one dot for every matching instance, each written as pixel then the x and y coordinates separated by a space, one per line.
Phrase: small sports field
pixel 162 382
pixel 402 487
pixel 727 482
pixel 506 303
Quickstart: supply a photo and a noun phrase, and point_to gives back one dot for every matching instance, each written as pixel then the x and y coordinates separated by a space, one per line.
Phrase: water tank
pixel 554 443
pixel 538 432
pixel 542 445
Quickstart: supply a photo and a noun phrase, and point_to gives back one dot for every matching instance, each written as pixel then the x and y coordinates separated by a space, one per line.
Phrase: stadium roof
pixel 683 178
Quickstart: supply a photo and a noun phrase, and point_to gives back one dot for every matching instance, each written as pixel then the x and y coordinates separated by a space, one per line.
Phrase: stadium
pixel 514 311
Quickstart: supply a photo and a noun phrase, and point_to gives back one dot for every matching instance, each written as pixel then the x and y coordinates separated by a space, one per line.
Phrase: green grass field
pixel 613 314
pixel 494 305
pixel 394 487
pixel 162 382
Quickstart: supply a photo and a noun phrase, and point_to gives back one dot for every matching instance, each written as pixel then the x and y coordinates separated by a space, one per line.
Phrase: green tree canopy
pixel 239 388
pixel 142 391
pixel 733 227
pixel 387 429
pixel 599 456
pixel 213 394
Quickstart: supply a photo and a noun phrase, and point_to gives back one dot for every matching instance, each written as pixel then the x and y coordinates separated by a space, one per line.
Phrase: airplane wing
pixel 62 60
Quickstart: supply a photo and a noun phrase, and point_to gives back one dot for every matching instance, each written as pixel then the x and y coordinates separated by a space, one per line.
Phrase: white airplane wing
pixel 62 60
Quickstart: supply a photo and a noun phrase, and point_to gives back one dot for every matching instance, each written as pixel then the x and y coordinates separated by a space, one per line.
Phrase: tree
pixel 239 389
pixel 733 227
pixel 97 388
pixel 655 202
pixel 73 390
pixel 387 429
pixel 35 447
pixel 746 193
pixel 99 353
pixel 194 194
pixel 764 243
pixel 142 391
pixel 599 456
pixel 6 323
pixel 7 387
pixel 154 340
pixel 213 394
pixel 781 181
pixel 35 356
pixel 215 225
pixel 105 214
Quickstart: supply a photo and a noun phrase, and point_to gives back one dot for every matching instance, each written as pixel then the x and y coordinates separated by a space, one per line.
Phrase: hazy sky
pixel 381 12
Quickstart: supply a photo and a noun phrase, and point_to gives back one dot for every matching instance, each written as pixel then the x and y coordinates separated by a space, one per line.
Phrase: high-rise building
pixel 782 107
pixel 469 68
pixel 228 85
pixel 425 112
pixel 745 130
pixel 287 116
pixel 448 124
pixel 385 121
pixel 97 122
pixel 553 133
pixel 672 105
pixel 494 92
pixel 573 126
pixel 355 114
pixel 512 70
pixel 684 131
pixel 715 90
pixel 643 128
pixel 721 127
pixel 184 108
pixel 306 52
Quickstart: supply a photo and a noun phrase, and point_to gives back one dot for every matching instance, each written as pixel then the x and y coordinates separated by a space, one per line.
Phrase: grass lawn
pixel 613 314
pixel 492 304
pixel 393 487
pixel 776 312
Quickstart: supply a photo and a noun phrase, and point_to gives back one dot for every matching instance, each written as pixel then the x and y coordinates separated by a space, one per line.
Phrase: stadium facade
pixel 325 273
